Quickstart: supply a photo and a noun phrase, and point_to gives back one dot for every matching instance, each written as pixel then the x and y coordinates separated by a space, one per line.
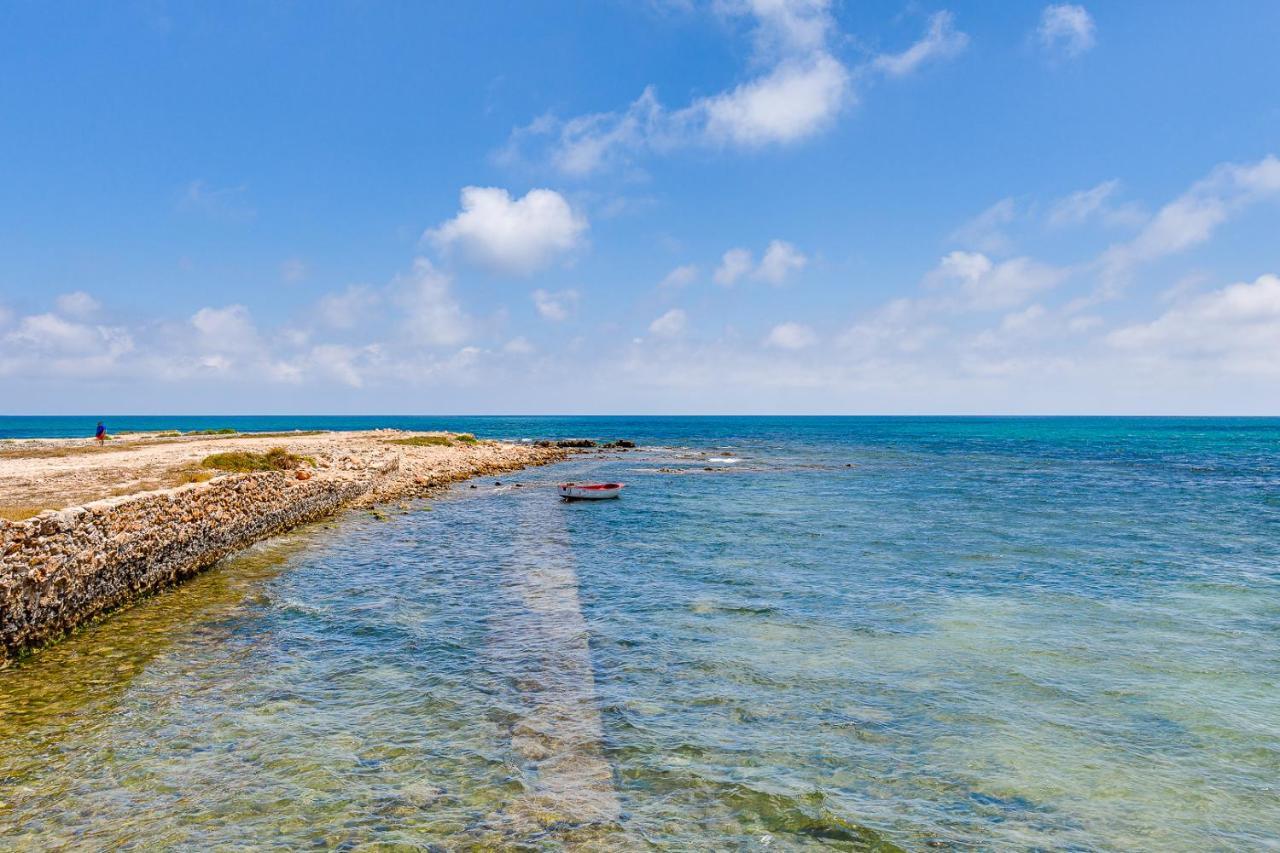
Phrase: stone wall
pixel 62 569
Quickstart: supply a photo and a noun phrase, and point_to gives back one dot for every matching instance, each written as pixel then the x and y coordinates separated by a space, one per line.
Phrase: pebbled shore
pixel 80 559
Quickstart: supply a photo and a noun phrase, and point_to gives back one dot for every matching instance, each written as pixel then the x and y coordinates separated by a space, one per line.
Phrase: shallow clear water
pixel 993 633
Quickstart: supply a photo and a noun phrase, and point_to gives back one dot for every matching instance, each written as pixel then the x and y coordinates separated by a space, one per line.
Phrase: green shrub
pixel 424 441
pixel 275 459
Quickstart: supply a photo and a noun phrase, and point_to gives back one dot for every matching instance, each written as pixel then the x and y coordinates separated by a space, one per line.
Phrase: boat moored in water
pixel 590 491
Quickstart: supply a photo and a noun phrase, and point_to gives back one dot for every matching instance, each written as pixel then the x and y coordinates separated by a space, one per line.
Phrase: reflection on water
pixel 969 641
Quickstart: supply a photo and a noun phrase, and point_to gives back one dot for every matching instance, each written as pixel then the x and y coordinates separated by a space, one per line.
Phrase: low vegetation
pixel 425 441
pixel 175 477
pixel 63 450
pixel 222 431
pixel 165 480
pixel 292 434
pixel 275 459
pixel 20 513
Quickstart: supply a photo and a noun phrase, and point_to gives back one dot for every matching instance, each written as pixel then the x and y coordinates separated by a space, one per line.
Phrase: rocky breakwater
pixel 64 568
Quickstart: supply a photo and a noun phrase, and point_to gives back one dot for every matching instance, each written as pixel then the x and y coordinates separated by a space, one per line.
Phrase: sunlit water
pixel 1016 634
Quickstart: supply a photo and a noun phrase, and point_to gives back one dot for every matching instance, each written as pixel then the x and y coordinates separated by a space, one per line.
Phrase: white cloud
pixel 5 316
pixel 555 306
pixel 670 324
pixel 734 265
pixel 990 286
pixel 225 330
pixel 986 230
pixel 1191 219
pixel 518 346
pixel 792 336
pixel 1082 323
pixel 516 237
pixel 984 332
pixel 1019 322
pixel 681 276
pixel 52 334
pixel 940 41
pixel 787 26
pixel 78 304
pixel 797 88
pixel 284 371
pixel 1067 29
pixel 800 88
pixel 792 102
pixel 215 363
pixel 1093 204
pixel 49 345
pixel 901 326
pixel 965 266
pixel 349 308
pixel 334 361
pixel 221 344
pixel 780 260
pixel 432 316
pixel 1236 328
pixel 593 142
pixel 1017 327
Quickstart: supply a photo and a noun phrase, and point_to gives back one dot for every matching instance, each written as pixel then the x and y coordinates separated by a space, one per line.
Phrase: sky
pixel 639 206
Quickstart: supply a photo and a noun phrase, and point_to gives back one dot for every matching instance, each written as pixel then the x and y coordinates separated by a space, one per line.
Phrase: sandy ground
pixel 56 473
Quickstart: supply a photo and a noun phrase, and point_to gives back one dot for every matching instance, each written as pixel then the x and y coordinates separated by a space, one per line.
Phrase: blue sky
pixel 742 206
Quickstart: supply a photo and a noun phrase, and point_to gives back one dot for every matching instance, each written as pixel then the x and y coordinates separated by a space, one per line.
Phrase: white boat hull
pixel 589 491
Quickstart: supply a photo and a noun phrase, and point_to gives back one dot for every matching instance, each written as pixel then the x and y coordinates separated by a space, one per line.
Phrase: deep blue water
pixel 1012 633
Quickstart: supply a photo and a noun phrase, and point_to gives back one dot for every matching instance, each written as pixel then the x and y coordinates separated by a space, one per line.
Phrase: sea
pixel 874 634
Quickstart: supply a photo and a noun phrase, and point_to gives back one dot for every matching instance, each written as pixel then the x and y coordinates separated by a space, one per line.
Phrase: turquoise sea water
pixel 856 633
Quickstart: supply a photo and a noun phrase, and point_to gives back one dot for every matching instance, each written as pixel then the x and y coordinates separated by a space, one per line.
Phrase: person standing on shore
pixel 100 435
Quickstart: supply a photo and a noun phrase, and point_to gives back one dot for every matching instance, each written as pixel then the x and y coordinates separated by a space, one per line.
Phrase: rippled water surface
pixel 863 634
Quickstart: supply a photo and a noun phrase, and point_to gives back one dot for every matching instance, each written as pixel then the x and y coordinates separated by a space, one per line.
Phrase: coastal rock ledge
pixel 63 568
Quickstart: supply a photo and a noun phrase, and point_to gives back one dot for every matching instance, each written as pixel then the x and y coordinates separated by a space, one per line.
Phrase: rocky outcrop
pixel 62 569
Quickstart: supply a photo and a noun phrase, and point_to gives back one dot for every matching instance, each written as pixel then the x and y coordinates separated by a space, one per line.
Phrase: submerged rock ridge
pixel 64 567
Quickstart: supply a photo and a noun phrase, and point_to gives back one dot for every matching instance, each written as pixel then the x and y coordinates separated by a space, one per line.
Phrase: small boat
pixel 589 491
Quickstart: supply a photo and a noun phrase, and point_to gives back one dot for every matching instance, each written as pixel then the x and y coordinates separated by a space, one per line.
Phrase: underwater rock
pixel 575 442
pixel 421 794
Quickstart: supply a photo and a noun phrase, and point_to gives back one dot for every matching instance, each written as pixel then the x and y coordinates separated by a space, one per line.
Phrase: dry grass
pixel 175 477
pixel 275 459
pixel 20 513
pixel 68 450
pixel 136 440
pixel 168 480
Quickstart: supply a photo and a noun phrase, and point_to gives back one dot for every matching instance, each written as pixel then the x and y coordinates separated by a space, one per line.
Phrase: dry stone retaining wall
pixel 59 570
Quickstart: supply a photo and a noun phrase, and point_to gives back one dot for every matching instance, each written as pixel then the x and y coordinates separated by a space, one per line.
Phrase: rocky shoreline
pixel 67 566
